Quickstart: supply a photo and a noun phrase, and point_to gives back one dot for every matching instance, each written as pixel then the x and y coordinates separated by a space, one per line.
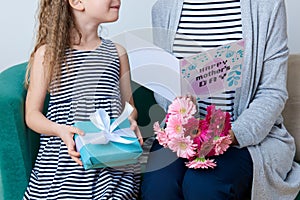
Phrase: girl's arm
pixel 125 88
pixel 35 98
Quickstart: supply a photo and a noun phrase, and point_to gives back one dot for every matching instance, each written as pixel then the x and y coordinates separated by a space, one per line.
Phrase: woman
pixel 260 161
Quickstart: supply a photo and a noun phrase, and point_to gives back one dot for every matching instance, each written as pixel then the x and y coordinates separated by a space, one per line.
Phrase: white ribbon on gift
pixel 108 133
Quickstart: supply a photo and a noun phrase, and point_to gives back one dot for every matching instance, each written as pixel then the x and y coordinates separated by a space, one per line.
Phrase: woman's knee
pixel 163 176
pixel 165 183
pixel 231 179
pixel 159 186
pixel 201 185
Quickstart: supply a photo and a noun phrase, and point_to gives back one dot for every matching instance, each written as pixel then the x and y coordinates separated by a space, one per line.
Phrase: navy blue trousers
pixel 167 177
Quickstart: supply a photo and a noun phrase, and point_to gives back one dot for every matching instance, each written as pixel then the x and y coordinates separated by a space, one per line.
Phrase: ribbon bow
pixel 108 130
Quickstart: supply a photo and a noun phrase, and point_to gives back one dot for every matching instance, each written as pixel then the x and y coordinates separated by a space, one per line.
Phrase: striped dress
pixel 206 24
pixel 89 81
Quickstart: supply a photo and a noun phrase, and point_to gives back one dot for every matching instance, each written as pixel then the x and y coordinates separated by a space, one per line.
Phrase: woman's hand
pixel 233 139
pixel 191 97
pixel 66 133
pixel 136 129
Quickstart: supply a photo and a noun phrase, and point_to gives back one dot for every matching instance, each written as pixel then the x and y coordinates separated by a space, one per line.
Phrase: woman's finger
pixel 192 98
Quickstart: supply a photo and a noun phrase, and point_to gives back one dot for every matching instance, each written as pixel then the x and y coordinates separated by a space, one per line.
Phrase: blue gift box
pixel 112 154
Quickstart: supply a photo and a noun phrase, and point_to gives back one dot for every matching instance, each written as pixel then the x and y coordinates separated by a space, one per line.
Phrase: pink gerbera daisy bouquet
pixel 192 138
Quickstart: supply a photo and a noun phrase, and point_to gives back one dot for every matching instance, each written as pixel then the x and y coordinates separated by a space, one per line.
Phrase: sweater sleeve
pixel 160 29
pixel 270 95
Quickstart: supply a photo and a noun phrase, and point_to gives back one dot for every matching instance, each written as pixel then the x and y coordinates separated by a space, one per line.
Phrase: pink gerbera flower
pixel 222 144
pixel 162 138
pixel 167 117
pixel 192 127
pixel 183 107
pixel 183 146
pixel 218 121
pixel 205 133
pixel 201 163
pixel 174 126
pixel 192 138
pixel 161 135
pixel 156 127
pixel 227 125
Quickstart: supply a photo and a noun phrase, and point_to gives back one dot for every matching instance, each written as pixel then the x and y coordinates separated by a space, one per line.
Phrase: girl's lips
pixel 116 7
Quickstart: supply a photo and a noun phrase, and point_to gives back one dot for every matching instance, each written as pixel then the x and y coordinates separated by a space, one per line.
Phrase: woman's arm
pixel 125 88
pixel 35 98
pixel 267 103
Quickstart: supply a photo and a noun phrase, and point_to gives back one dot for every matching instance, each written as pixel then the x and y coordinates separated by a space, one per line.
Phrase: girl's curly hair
pixel 55 23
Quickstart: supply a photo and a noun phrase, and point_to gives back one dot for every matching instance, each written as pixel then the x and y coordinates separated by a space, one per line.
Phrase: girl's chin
pixel 113 19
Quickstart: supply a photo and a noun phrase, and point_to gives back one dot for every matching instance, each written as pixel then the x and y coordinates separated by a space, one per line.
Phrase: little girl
pixel 83 73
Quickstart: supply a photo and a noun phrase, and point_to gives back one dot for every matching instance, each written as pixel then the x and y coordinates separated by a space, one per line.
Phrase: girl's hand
pixel 135 128
pixel 66 133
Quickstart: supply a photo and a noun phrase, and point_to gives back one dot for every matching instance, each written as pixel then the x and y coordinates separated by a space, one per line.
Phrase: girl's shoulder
pixel 120 49
pixel 113 46
pixel 109 42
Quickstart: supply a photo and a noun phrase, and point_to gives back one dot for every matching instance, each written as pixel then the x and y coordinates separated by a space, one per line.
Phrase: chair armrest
pixel 18 145
pixel 148 110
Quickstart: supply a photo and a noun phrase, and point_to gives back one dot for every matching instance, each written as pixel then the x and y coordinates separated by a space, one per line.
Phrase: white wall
pixel 293 14
pixel 16 33
pixel 18 23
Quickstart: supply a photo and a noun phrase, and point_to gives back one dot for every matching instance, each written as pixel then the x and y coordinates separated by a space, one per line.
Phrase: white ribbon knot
pixel 108 130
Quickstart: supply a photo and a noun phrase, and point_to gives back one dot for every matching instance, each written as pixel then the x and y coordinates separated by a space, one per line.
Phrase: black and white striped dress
pixel 206 24
pixel 89 80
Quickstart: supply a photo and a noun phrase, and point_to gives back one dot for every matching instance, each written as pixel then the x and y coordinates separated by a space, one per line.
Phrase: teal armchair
pixel 19 144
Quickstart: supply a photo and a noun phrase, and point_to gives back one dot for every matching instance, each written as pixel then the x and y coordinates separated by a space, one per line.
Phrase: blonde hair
pixel 56 21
